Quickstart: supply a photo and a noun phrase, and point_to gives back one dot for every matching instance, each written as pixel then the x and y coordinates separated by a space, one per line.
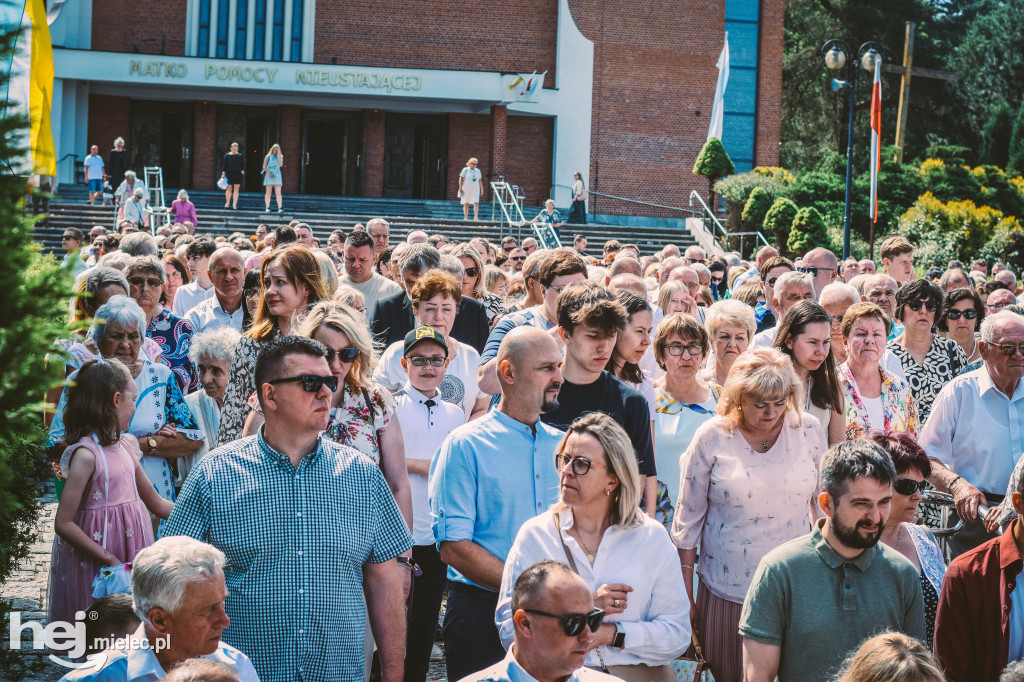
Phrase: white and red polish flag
pixel 876 136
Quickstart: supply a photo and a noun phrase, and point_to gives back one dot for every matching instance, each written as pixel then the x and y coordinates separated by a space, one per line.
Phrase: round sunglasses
pixel 580 465
pixel 344 354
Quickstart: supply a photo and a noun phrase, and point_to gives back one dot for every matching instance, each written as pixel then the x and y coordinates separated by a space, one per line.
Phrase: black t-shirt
pixel 621 402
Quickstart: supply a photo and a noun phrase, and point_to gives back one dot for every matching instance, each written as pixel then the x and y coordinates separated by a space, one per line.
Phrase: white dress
pixel 470 185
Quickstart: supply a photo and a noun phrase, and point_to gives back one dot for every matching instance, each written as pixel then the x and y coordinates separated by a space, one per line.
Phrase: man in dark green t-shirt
pixel 815 599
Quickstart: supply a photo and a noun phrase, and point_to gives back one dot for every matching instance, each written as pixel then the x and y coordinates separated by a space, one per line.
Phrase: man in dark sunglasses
pixel 823 266
pixel 555 622
pixel 308 518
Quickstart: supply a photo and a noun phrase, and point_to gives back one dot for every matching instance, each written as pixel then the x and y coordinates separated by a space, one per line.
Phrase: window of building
pixel 739 119
pixel 272 30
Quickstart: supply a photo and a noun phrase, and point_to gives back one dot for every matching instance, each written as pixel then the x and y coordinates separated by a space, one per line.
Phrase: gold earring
pixel 607 493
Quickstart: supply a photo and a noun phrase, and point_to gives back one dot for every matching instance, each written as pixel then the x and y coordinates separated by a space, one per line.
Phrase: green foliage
pixel 808 232
pixel 1006 246
pixel 995 137
pixel 737 190
pixel 713 162
pixel 32 314
pixel 1015 156
pixel 779 220
pixel 956 229
pixel 757 206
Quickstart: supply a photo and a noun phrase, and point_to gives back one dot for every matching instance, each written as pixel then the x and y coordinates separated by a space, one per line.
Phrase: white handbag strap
pixel 106 488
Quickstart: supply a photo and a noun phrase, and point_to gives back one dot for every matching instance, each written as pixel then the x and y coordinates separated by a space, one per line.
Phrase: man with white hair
pixel 666 268
pixel 851 268
pixel 417 237
pixel 226 271
pixel 999 299
pixel 867 267
pixel 790 288
pixel 139 244
pixel 380 230
pixel 178 591
pixel 670 250
pixel 135 208
pixel 310 528
pixel 695 254
pixel 1008 278
pixel 880 289
pixel 304 235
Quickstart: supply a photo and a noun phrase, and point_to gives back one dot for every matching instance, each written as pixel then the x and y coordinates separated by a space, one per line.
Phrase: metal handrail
pixel 707 213
pixel 498 190
pixel 633 201
pixel 946 500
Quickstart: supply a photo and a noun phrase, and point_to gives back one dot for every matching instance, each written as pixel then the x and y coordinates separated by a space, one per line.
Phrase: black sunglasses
pixel 472 272
pixel 66 236
pixel 573 624
pixel 908 486
pixel 517 258
pixel 771 282
pixel 813 271
pixel 580 465
pixel 930 306
pixel 344 354
pixel 311 383
pixel 970 314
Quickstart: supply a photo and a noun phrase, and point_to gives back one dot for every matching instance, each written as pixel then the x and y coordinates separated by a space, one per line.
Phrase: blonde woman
pixel 730 326
pixel 673 297
pixel 473 282
pixel 471 188
pixel 496 281
pixel 273 162
pixel 748 483
pixel 891 657
pixel 624 556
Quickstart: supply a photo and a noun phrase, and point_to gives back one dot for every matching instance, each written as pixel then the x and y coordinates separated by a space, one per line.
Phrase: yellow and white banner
pixel 30 88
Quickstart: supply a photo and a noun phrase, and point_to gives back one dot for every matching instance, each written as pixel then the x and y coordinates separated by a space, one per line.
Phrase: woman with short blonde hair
pixel 749 483
pixel 731 326
pixel 625 557
pixel 496 282
pixel 891 657
pixel 471 189
pixel 670 300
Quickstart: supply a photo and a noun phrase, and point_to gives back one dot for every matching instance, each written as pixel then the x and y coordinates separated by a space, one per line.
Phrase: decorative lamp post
pixel 837 55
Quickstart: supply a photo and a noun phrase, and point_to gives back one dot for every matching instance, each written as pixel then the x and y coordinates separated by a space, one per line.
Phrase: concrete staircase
pixel 323 214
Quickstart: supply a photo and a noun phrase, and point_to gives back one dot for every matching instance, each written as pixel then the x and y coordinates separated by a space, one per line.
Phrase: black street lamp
pixel 836 55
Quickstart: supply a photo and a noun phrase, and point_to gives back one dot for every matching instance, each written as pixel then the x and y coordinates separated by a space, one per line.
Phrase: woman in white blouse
pixel 626 558
pixel 748 484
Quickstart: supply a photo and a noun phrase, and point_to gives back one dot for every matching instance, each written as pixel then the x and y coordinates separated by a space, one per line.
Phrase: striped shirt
pixel 296 540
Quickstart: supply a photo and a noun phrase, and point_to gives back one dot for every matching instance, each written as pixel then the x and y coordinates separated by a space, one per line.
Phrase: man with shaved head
pixel 822 265
pixel 880 289
pixel 624 265
pixel 753 275
pixel 629 282
pixel 488 478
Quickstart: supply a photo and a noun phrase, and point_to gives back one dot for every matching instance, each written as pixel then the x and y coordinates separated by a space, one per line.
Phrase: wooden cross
pixel 907 71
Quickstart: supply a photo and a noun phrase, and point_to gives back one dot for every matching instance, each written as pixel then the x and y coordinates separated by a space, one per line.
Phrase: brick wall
pixel 205 161
pixel 530 144
pixel 469 135
pixel 439 35
pixel 109 117
pixel 373 153
pixel 769 86
pixel 291 139
pixel 155 27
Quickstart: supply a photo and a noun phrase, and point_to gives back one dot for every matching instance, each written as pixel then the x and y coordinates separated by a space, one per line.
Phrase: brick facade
pixel 109 118
pixel 530 141
pixel 205 159
pixel 469 135
pixel 373 153
pixel 769 86
pixel 291 139
pixel 146 28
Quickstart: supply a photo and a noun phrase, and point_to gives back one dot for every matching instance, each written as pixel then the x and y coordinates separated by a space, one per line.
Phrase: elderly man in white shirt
pixel 226 271
pixel 178 591
pixel 553 614
pixel 975 434
pixel 790 289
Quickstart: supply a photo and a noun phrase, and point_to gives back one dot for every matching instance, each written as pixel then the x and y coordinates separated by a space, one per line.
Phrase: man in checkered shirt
pixel 305 524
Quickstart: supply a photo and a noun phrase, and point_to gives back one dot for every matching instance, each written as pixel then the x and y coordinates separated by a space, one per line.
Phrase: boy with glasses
pixel 426 420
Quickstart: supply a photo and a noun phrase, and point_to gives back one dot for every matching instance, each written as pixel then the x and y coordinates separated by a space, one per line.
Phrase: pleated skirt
pixel 718 624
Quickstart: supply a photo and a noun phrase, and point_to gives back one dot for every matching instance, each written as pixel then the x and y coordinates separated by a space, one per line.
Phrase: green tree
pixel 32 314
pixel 808 232
pixel 757 206
pixel 713 162
pixel 995 136
pixel 779 220
pixel 1015 156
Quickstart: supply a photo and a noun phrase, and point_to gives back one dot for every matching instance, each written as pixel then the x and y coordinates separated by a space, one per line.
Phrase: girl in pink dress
pixel 102 517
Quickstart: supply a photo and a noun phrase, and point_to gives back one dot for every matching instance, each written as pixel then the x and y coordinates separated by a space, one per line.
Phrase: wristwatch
pixel 407 562
pixel 620 636
pixel 152 445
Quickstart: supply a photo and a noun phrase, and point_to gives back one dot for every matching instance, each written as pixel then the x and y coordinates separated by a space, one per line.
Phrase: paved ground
pixel 28 585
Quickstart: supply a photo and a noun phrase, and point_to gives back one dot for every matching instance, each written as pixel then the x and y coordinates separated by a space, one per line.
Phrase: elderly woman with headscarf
pixel 212 352
pixel 163 423
pixel 146 278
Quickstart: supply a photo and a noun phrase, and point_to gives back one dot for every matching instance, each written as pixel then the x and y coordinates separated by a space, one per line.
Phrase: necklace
pixel 764 446
pixel 899 538
pixel 590 553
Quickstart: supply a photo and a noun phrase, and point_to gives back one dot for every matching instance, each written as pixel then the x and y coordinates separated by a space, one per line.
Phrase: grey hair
pixel 1013 672
pixel 351 297
pixel 201 670
pixel 139 192
pixel 131 174
pixel 453 266
pixel 217 344
pixel 139 244
pixel 730 311
pixel 838 292
pixel 115 260
pixel 853 459
pixel 989 324
pixel 100 277
pixel 120 310
pixel 118 139
pixel 146 264
pixel 792 279
pixel 182 194
pixel 418 258
pixel 532 581
pixel 162 572
pixel 377 221
pixel 700 269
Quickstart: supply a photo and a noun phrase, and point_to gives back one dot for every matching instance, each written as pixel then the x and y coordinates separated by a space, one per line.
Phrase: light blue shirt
pixel 976 431
pixel 509 670
pixel 141 665
pixel 1017 622
pixel 489 477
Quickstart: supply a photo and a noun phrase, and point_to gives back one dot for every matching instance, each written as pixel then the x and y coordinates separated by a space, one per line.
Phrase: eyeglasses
pixel 970 314
pixel 580 465
pixel 908 486
pixel 1009 349
pixel 837 319
pixel 691 261
pixel 141 282
pixel 691 349
pixel 517 257
pixel 472 272
pixel 573 624
pixel 813 271
pixel 252 293
pixel 422 361
pixel 996 306
pixel 930 306
pixel 311 383
pixel 344 354
pixel 716 280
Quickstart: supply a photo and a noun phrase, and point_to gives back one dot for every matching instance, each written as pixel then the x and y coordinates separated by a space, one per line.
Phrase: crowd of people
pixel 596 462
